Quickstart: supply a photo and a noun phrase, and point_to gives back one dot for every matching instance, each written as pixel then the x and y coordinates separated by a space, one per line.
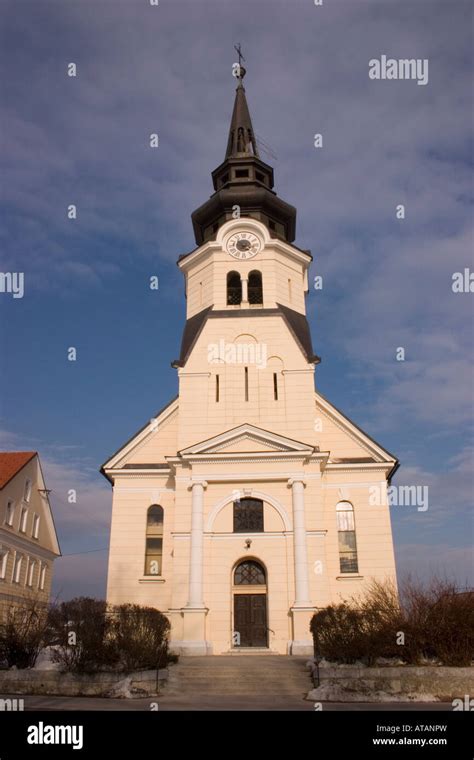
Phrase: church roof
pixel 296 322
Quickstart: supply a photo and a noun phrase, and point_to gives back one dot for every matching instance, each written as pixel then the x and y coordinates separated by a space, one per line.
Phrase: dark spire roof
pixel 243 180
pixel 241 140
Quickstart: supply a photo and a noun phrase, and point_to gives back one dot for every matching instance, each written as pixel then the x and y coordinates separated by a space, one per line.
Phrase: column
pixel 245 293
pixel 299 544
pixel 302 609
pixel 195 599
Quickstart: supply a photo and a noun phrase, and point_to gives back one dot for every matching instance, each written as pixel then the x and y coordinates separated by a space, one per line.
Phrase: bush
pixel 436 621
pixel 80 629
pixel 362 629
pixel 91 636
pixel 141 637
pixel 23 633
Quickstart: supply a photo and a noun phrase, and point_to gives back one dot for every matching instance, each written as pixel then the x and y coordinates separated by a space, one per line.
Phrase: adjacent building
pixel 247 502
pixel 28 540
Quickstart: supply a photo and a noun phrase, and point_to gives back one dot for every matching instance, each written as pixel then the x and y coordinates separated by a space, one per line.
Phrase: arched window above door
pixel 249 573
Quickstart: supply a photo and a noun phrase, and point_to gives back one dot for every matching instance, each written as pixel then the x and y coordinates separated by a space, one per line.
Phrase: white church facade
pixel 243 506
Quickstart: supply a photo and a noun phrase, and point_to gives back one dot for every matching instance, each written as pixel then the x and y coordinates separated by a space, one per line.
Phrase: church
pixel 242 506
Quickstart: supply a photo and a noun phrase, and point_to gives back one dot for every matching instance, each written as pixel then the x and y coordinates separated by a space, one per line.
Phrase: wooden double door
pixel 250 620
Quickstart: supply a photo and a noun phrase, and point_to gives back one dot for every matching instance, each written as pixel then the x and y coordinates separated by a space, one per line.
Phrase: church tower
pixel 249 501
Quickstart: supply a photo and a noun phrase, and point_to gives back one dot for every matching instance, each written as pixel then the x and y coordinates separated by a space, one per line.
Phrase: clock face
pixel 243 245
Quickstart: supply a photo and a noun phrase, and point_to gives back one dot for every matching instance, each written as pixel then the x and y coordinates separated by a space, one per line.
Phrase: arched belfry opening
pixel 234 289
pixel 255 288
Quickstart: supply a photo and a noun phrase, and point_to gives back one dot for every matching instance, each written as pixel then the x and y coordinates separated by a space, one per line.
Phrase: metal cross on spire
pixel 239 53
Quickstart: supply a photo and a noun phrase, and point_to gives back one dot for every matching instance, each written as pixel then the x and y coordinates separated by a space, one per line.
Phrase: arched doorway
pixel 249 588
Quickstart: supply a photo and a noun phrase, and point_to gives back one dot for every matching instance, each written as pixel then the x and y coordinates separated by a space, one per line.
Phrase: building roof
pixel 11 462
pixel 296 322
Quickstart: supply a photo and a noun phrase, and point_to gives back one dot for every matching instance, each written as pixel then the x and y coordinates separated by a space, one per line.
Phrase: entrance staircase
pixel 243 676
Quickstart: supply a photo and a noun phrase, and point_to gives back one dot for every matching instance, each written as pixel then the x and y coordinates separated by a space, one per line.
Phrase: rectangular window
pixel 242 173
pixel 289 290
pixel 27 494
pixel 154 554
pixel 23 519
pixel 217 388
pixel 17 568
pixel 36 525
pixel 3 562
pixel 246 383
pixel 10 512
pixel 42 577
pixel 275 386
pixel 31 573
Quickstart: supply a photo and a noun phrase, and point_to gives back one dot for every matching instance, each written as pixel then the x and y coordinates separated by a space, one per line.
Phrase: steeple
pixel 244 181
pixel 241 140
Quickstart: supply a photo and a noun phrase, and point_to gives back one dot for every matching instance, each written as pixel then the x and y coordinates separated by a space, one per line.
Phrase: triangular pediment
pixel 247 438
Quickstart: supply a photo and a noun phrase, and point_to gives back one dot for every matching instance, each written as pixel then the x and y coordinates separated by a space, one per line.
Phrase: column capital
pixel 292 481
pixel 193 483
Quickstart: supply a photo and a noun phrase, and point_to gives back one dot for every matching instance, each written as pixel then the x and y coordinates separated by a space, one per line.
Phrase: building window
pixel 10 513
pixel 239 173
pixel 289 291
pixel 275 386
pixel 42 577
pixel 255 287
pixel 259 177
pixel 3 562
pixel 246 381
pixel 23 519
pixel 234 289
pixel 17 567
pixel 249 573
pixel 36 525
pixel 248 516
pixel 31 573
pixel 217 388
pixel 347 538
pixel 154 540
pixel 27 493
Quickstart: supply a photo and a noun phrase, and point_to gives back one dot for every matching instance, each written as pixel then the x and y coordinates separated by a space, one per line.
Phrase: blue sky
pixel 387 282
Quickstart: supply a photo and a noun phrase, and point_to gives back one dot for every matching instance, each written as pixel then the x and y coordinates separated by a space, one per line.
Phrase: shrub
pixel 80 629
pixel 141 637
pixel 90 636
pixel 437 623
pixel 22 634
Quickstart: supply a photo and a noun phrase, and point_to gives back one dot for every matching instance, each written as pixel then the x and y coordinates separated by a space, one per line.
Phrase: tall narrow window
pixel 27 493
pixel 31 573
pixel 17 567
pixel 234 289
pixel 154 540
pixel 347 538
pixel 200 294
pixel 23 519
pixel 42 577
pixel 246 375
pixel 217 388
pixel 10 512
pixel 289 290
pixel 3 562
pixel 275 386
pixel 255 289
pixel 36 525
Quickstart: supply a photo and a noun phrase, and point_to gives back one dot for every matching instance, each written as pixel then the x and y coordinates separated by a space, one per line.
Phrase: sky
pixel 387 282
